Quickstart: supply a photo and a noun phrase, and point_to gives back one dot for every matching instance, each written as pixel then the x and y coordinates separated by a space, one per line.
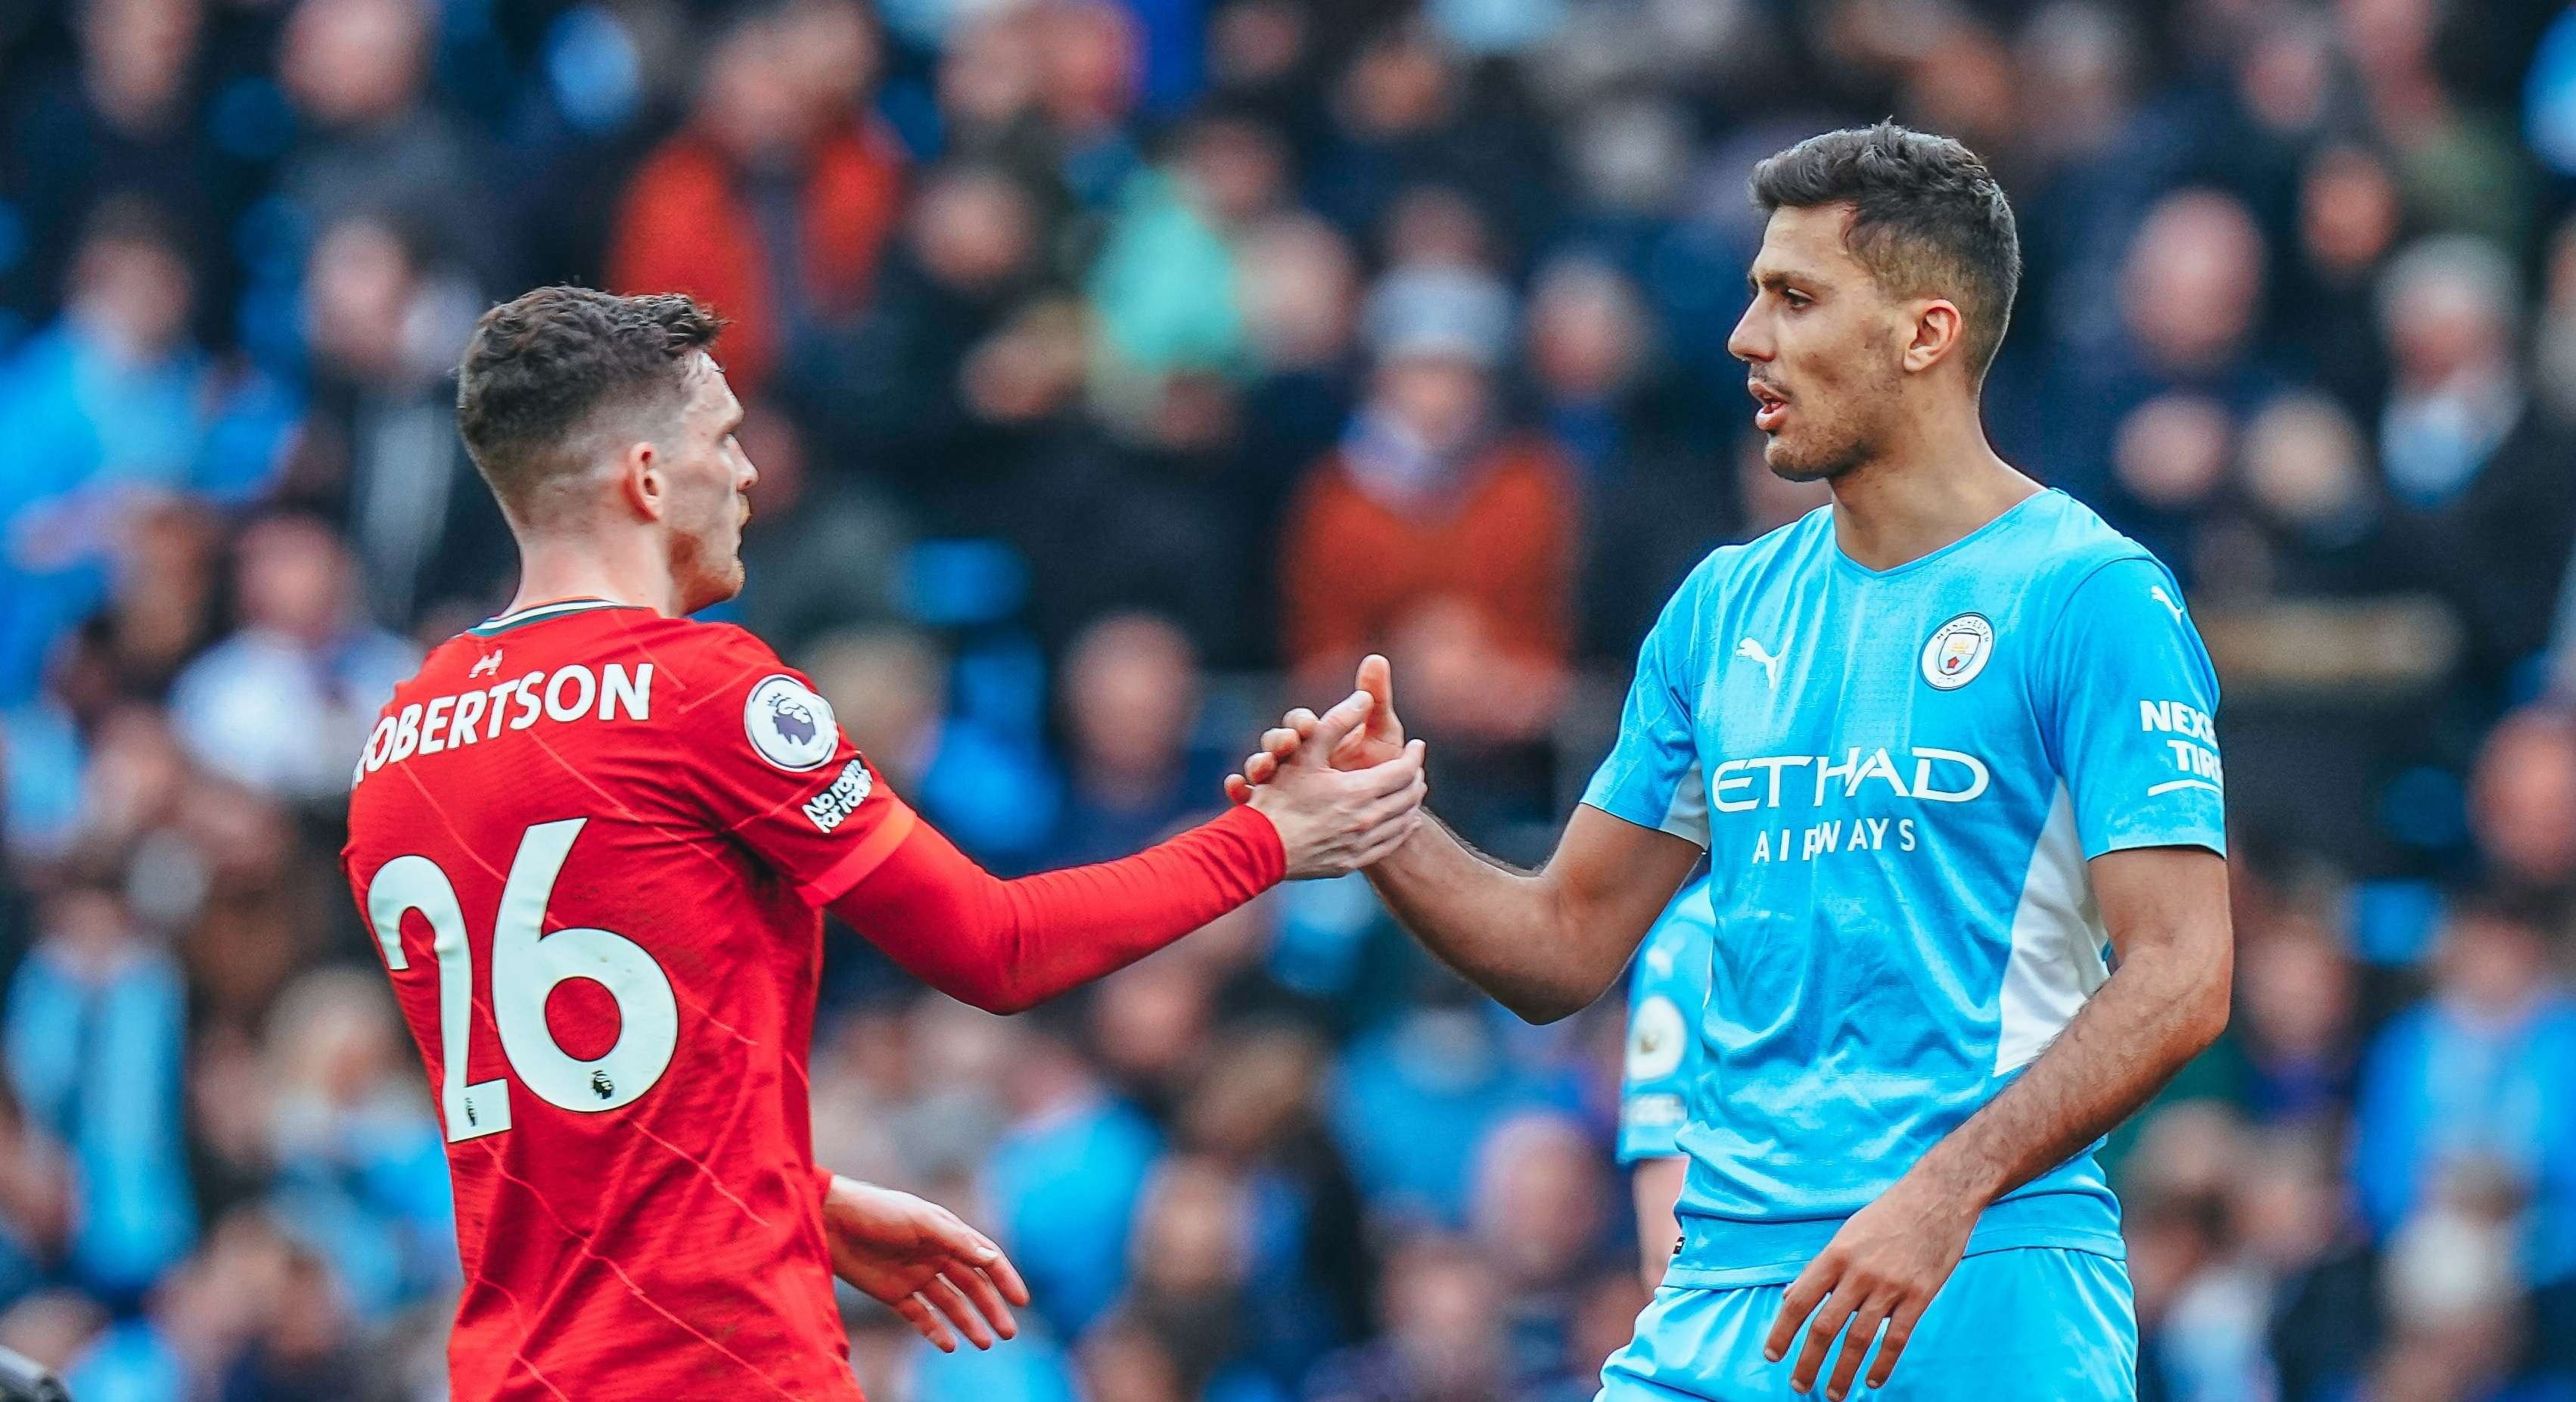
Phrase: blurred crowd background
pixel 1119 371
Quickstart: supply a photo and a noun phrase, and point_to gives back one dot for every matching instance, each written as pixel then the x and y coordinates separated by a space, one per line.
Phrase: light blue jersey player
pixel 1665 991
pixel 1948 747
pixel 1900 777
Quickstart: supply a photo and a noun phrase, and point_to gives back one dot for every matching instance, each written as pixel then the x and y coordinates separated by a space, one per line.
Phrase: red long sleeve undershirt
pixel 1004 946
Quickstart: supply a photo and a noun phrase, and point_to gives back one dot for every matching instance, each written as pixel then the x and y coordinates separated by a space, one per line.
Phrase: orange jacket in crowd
pixel 684 227
pixel 1502 541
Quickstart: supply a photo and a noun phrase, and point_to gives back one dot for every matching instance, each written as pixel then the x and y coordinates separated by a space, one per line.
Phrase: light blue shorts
pixel 2032 1324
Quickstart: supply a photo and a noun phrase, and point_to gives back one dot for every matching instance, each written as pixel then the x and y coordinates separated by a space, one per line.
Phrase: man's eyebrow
pixel 1781 277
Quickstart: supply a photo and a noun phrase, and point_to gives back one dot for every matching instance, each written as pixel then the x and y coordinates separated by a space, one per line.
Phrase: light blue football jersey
pixel 1665 991
pixel 1899 776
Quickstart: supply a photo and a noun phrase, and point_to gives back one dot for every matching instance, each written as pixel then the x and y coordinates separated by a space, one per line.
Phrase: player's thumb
pixel 1377 678
pixel 1347 715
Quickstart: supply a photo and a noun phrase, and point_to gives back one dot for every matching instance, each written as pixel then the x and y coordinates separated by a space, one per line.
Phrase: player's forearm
pixel 2162 1008
pixel 1005 946
pixel 1657 1188
pixel 1502 929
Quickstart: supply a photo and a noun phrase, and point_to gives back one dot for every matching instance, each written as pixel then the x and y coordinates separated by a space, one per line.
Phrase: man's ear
pixel 1938 326
pixel 641 481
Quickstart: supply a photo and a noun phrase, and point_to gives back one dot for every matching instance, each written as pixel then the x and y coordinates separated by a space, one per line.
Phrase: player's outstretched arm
pixel 918 1259
pixel 1005 946
pixel 1543 943
pixel 2166 909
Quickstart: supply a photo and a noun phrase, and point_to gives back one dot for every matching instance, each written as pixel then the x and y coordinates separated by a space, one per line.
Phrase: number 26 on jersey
pixel 527 963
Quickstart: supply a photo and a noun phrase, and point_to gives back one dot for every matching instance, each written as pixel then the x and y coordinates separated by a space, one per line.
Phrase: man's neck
pixel 559 569
pixel 1935 487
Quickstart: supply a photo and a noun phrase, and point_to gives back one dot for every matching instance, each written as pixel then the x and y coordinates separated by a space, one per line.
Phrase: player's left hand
pixel 1883 1267
pixel 917 1258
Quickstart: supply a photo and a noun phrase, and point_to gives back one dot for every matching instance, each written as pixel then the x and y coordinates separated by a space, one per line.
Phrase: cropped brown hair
pixel 542 371
pixel 1927 218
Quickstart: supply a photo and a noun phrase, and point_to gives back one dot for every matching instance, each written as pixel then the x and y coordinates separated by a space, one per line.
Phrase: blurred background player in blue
pixel 1666 990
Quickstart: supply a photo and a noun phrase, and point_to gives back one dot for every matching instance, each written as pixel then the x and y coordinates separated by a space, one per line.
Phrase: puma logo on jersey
pixel 1770 664
pixel 487 667
pixel 2157 593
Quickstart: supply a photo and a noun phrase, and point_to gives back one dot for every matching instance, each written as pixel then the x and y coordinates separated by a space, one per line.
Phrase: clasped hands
pixel 1357 747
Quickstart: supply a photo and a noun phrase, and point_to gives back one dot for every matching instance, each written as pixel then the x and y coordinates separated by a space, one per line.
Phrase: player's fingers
pixel 1900 1327
pixel 1796 1304
pixel 1392 777
pixel 1292 732
pixel 953 1303
pixel 1387 807
pixel 1386 840
pixel 962 1241
pixel 1238 790
pixel 1007 1276
pixel 987 1300
pixel 1856 1342
pixel 1347 715
pixel 917 1312
pixel 1829 1321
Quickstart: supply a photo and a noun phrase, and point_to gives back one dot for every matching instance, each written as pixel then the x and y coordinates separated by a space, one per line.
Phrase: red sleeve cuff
pixel 870 854
pixel 1261 838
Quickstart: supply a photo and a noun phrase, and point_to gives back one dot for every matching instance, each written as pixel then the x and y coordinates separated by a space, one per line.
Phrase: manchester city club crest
pixel 789 725
pixel 1958 651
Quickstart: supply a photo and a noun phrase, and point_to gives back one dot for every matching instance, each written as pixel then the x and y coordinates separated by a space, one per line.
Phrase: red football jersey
pixel 592 843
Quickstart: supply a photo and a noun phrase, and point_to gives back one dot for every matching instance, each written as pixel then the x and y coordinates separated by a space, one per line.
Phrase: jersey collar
pixel 538 613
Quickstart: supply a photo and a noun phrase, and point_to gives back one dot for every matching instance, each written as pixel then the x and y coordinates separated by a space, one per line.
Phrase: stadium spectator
pixel 1130 694
pixel 1192 1280
pixel 995 795
pixel 1065 1178
pixel 2470 452
pixel 1537 1216
pixel 1430 500
pixel 95 1036
pixel 2522 801
pixel 110 403
pixel 355 1156
pixel 369 140
pixel 2467 1108
pixel 1442 1340
pixel 377 454
pixel 124 121
pixel 775 203
pixel 283 702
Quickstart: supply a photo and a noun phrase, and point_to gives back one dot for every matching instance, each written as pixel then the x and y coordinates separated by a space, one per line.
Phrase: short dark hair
pixel 542 369
pixel 1928 217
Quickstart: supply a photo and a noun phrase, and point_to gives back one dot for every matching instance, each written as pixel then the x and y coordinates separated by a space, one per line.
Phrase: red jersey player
pixel 592 839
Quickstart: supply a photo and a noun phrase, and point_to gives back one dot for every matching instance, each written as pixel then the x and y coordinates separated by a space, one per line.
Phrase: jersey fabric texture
pixel 591 842
pixel 2033 1325
pixel 1899 776
pixel 1665 992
